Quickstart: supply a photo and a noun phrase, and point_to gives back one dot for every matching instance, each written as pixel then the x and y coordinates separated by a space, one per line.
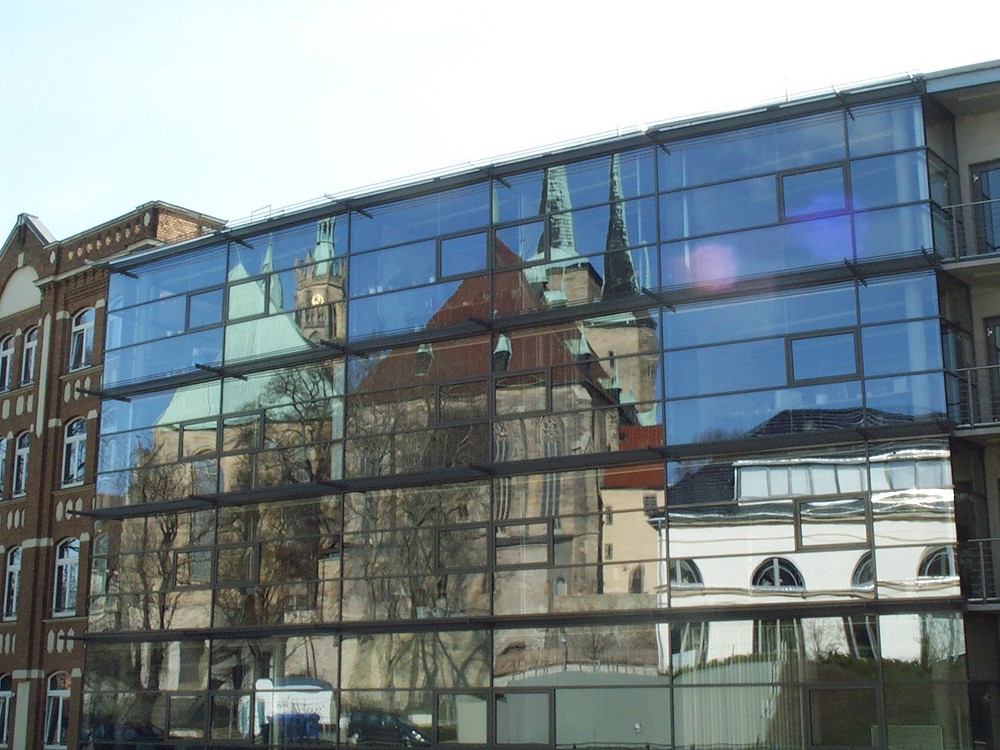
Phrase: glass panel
pixel 824 356
pixel 834 406
pixel 838 522
pixel 898 298
pixel 893 231
pixel 717 259
pixel 813 192
pixel 888 126
pixel 767 148
pixel 168 356
pixel 719 208
pixel 883 181
pixel 811 310
pixel 714 369
pixel 426 216
pixel 205 309
pixel 779 725
pixel 902 347
pixel 168 277
pixel 394 268
pixel 929 714
pixel 461 255
pixel 841 718
pixel 462 718
pixel 613 716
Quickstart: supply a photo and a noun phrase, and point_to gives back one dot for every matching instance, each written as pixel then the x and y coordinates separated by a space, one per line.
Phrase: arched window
pixel 6 704
pixel 6 362
pixel 863 576
pixel 57 711
pixel 12 583
pixel 28 356
pixel 22 446
pixel 777 573
pixel 67 573
pixel 684 573
pixel 74 452
pixel 938 562
pixel 81 344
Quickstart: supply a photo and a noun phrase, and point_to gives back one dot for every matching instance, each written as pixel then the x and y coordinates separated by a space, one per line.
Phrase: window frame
pixel 66 578
pixel 29 351
pixel 22 458
pixel 12 583
pixel 6 363
pixel 6 703
pixel 74 457
pixel 57 695
pixel 81 340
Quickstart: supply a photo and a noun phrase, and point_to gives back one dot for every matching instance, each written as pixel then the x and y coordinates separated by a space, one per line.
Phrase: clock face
pixel 317 298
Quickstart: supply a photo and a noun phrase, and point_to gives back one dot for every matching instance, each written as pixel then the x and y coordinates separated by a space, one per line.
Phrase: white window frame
pixel 6 363
pixel 6 703
pixel 12 584
pixel 81 342
pixel 56 711
pixel 28 351
pixel 3 467
pixel 66 578
pixel 22 456
pixel 74 452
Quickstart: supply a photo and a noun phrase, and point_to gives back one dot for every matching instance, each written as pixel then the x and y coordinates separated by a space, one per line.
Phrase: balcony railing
pixel 974 397
pixel 977 562
pixel 968 230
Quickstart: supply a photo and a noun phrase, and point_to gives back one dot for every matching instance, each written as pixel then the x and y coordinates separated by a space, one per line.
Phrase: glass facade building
pixel 647 443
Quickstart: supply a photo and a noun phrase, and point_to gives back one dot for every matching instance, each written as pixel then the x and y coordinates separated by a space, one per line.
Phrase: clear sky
pixel 228 106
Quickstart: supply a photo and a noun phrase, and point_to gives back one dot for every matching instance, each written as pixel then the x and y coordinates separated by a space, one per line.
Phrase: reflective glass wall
pixel 583 455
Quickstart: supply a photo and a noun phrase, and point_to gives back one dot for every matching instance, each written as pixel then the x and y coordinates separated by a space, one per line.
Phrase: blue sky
pixel 229 106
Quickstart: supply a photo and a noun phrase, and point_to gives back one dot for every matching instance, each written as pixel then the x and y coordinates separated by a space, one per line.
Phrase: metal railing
pixel 974 396
pixel 968 230
pixel 977 563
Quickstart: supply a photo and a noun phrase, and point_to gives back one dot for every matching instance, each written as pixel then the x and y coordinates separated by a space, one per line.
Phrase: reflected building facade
pixel 590 450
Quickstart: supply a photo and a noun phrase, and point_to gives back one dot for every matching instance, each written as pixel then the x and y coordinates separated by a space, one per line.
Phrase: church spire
pixel 619 273
pixel 560 240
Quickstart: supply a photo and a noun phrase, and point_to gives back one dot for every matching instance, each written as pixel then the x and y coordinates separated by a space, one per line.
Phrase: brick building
pixel 52 302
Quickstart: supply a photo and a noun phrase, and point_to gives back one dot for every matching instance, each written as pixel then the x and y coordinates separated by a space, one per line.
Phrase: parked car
pixel 379 727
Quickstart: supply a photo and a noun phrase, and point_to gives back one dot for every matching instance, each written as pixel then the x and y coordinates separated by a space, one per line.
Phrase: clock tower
pixel 319 289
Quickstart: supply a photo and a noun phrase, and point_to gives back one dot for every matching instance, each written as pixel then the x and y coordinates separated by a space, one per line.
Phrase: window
pixel 67 570
pixel 6 362
pixel 551 436
pixel 57 711
pixel 74 452
pixel 12 584
pixel 863 576
pixel 28 356
pixel 22 445
pixel 685 573
pixel 82 340
pixel 938 562
pixel 776 572
pixel 635 583
pixel 6 699
pixel 3 466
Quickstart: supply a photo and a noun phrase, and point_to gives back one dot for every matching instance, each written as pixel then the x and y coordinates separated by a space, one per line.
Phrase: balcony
pixel 977 562
pixel 974 397
pixel 968 230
